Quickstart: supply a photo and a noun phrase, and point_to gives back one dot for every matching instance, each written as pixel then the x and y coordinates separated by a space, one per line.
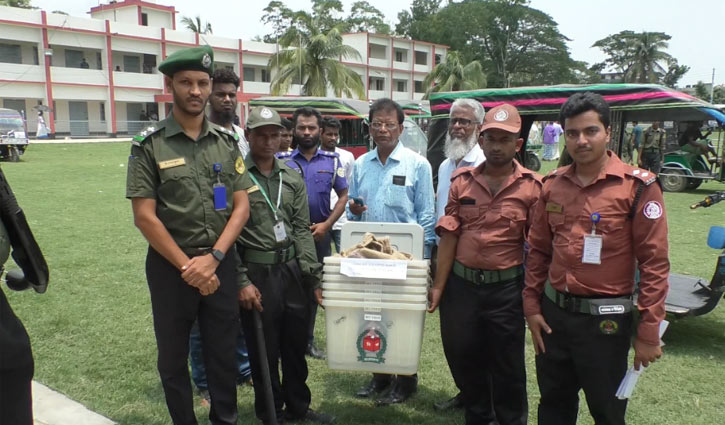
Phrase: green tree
pixel 453 74
pixel 25 4
pixel 195 25
pixel 416 22
pixel 314 59
pixel 364 17
pixel 279 17
pixel 701 91
pixel 639 56
pixel 675 71
pixel 718 95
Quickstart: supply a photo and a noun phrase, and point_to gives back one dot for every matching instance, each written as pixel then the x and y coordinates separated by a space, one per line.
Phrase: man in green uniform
pixel 651 152
pixel 280 271
pixel 187 185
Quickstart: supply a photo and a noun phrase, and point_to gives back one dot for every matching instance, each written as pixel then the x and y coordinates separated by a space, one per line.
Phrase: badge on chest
pixel 399 180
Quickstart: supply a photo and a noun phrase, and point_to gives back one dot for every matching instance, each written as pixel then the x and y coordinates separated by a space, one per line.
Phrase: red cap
pixel 505 117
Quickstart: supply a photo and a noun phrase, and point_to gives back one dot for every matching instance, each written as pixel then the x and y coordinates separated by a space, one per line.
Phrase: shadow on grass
pixel 338 399
pixel 697 335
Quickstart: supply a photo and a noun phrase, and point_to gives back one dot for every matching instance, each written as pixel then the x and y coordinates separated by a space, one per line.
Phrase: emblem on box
pixel 371 345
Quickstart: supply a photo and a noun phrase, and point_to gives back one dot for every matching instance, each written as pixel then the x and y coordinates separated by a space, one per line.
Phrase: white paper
pixel 626 387
pixel 374 268
pixel 592 249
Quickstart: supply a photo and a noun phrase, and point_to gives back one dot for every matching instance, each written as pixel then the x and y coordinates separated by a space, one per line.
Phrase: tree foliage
pixel 641 57
pixel 416 22
pixel 25 4
pixel 453 74
pixel 196 25
pixel 324 15
pixel 701 91
pixel 314 59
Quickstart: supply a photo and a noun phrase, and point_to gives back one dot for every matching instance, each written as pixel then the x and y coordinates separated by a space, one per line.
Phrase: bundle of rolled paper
pixel 373 247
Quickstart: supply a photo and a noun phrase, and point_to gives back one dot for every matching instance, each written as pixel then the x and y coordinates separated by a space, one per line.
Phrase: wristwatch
pixel 217 254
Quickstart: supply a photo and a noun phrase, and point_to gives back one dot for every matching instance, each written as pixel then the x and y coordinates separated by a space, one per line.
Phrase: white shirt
pixel 473 158
pixel 242 143
pixel 347 160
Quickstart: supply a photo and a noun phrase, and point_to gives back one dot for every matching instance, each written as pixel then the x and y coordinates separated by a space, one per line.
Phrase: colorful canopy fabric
pixel 340 108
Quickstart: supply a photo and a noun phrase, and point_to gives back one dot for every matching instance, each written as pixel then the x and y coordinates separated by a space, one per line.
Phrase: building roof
pixel 113 4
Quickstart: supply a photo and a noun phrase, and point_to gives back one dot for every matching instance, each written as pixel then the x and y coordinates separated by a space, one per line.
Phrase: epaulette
pixel 553 173
pixel 141 137
pixel 330 154
pixel 283 155
pixel 460 171
pixel 646 177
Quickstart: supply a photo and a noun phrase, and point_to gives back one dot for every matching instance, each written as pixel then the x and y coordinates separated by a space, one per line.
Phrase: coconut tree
pixel 453 74
pixel 647 56
pixel 314 59
pixel 195 25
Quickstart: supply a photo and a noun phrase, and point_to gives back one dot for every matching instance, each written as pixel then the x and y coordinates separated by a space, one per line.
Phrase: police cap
pixel 191 59
pixel 263 115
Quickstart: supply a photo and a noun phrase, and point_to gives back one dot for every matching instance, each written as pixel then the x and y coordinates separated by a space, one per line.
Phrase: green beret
pixel 192 59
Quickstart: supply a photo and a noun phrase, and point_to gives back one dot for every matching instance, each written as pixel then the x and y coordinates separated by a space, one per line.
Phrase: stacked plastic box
pixel 376 323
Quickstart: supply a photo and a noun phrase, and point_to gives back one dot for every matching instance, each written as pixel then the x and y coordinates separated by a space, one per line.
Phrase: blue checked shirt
pixel 401 191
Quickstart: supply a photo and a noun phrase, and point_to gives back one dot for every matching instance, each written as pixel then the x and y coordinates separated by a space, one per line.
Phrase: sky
pixel 693 43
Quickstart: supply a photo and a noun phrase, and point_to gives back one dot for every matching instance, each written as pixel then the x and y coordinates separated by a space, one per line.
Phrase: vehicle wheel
pixel 675 181
pixel 13 154
pixel 532 161
pixel 693 184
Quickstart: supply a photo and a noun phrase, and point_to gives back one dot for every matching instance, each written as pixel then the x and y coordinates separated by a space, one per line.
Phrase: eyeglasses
pixel 376 125
pixel 463 122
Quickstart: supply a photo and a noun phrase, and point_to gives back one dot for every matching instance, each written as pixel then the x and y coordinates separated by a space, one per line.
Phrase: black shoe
pixel 375 386
pixel 315 352
pixel 452 403
pixel 404 388
pixel 312 416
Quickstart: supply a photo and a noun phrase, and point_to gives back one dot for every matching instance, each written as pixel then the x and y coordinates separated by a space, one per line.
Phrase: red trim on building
pixel 392 52
pixel 138 12
pixel 412 73
pixel 22 82
pixel 433 62
pixel 367 68
pixel 163 54
pixel 196 36
pixel 48 80
pixel 111 88
pixel 129 3
pixel 137 88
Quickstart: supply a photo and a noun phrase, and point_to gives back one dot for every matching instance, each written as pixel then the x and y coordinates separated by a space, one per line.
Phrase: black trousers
pixel 482 329
pixel 323 249
pixel 175 306
pixel 652 161
pixel 582 352
pixel 285 317
pixel 16 368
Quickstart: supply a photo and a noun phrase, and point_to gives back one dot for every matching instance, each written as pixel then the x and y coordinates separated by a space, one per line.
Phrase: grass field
pixel 92 332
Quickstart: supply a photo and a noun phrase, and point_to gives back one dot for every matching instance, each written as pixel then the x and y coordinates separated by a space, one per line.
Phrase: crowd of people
pixel 238 223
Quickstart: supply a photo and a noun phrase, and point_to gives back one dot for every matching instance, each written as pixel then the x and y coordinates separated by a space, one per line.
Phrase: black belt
pixel 593 306
pixel 195 252
pixel 479 276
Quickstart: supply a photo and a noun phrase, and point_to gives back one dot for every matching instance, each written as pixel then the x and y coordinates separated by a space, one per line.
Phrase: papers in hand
pixel 626 387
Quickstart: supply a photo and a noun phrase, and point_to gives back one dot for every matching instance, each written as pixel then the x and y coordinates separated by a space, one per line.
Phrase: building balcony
pixel 22 73
pixel 381 63
pixel 422 68
pixel 79 76
pixel 377 94
pixel 136 80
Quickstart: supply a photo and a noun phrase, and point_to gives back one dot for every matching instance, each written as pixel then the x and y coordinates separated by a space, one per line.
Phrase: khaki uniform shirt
pixel 653 140
pixel 166 165
pixel 293 211
pixel 562 218
pixel 491 229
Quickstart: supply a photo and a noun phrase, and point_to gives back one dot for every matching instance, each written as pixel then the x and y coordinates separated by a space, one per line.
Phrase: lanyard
pixel 264 193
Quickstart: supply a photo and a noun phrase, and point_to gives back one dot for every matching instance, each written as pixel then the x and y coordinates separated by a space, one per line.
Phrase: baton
pixel 264 363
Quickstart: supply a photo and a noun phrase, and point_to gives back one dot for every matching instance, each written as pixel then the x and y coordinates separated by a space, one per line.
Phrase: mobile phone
pixel 358 201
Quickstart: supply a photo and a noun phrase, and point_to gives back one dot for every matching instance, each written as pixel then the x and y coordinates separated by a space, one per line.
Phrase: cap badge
pixel 501 115
pixel 266 113
pixel 206 60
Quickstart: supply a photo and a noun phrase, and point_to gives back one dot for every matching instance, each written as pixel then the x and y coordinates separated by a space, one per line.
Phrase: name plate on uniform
pixel 171 163
pixel 374 268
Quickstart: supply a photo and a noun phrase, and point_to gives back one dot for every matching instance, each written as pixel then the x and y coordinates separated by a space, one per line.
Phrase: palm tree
pixel 453 74
pixel 195 25
pixel 313 59
pixel 646 55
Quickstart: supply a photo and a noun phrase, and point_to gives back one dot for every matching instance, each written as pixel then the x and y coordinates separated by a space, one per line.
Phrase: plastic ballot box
pixel 374 308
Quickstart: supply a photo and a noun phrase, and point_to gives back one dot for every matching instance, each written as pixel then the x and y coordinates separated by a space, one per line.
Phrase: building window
pixel 265 76
pixel 421 58
pixel 145 19
pixel 377 51
pixel 418 86
pixel 401 86
pixel 400 56
pixel 35 55
pixel 131 63
pixel 103 112
pixel 438 59
pixel 10 53
pixel 376 83
pixel 248 74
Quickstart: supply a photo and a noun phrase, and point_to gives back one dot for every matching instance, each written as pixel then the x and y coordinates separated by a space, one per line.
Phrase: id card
pixel 592 249
pixel 279 233
pixel 220 196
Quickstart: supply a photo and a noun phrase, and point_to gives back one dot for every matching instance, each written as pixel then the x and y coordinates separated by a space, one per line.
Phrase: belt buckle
pixel 481 276
pixel 570 303
pixel 281 255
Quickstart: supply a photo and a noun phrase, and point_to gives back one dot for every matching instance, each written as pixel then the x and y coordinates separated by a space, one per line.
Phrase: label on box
pixel 374 268
pixel 373 317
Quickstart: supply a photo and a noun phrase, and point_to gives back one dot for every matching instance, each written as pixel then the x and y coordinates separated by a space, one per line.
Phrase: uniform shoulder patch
pixel 141 137
pixel 646 177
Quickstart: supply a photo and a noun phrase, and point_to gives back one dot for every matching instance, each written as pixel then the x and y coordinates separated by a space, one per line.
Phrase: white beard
pixel 456 149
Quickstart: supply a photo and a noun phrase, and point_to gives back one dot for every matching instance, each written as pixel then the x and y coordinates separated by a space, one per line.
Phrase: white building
pixel 99 75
